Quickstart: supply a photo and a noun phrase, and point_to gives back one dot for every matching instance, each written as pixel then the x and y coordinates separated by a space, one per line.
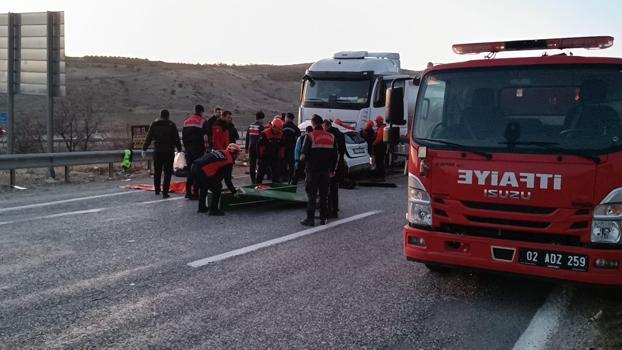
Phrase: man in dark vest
pixel 291 132
pixel 340 169
pixel 164 133
pixel 252 144
pixel 194 135
pixel 320 154
pixel 209 171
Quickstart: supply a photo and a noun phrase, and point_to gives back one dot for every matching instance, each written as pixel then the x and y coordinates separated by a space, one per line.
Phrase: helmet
pixel 369 124
pixel 233 148
pixel 277 122
pixel 379 120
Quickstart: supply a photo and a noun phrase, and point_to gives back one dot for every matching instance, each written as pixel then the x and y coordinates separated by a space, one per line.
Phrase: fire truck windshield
pixel 338 94
pixel 518 109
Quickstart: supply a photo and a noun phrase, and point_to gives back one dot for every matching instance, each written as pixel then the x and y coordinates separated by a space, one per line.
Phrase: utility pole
pixel 50 77
pixel 11 91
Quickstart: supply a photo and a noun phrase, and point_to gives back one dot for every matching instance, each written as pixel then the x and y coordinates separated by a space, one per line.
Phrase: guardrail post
pixel 66 174
pixel 110 165
pixel 12 178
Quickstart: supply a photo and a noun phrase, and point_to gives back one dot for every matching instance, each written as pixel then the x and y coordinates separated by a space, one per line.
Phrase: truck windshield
pixel 339 94
pixel 573 108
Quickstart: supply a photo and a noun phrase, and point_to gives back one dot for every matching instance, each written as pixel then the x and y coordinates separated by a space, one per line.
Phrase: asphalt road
pixel 91 266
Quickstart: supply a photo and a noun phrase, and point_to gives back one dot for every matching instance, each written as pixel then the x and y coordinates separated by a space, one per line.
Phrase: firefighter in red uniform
pixel 271 151
pixel 220 136
pixel 380 148
pixel 209 171
pixel 194 136
pixel 369 135
pixel 320 154
pixel 252 144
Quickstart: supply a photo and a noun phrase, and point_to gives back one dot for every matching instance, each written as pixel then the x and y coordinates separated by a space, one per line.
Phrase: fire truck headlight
pixel 605 231
pixel 419 204
pixel 608 211
pixel 607 220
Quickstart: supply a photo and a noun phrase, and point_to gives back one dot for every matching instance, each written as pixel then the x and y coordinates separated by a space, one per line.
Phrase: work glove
pixel 142 154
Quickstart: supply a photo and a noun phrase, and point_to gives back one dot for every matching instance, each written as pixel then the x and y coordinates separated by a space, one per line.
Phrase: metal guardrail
pixel 65 159
pixel 46 160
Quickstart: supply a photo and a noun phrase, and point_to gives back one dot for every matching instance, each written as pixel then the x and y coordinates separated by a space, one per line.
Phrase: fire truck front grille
pixel 509 208
pixel 556 239
pixel 508 222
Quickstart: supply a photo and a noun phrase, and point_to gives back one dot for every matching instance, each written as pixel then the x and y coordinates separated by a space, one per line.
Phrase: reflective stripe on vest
pixel 322 139
pixel 224 159
pixel 253 130
pixel 195 121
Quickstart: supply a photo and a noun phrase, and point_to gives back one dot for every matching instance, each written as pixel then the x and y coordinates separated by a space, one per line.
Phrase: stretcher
pixel 253 195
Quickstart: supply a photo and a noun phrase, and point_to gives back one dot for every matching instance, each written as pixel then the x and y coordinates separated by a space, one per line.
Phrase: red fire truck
pixel 516 163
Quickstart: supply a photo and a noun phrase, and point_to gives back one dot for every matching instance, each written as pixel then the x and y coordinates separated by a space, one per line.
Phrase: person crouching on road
pixel 271 151
pixel 164 133
pixel 320 154
pixel 209 172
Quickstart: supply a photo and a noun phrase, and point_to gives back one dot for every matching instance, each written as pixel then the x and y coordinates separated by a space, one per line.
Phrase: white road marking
pixel 89 211
pixel 162 200
pixel 545 322
pixel 69 213
pixel 39 205
pixel 254 247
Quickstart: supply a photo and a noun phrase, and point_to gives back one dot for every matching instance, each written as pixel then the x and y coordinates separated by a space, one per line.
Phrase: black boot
pixel 308 222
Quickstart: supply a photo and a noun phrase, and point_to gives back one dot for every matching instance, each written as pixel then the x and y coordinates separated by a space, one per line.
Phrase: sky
pixel 293 31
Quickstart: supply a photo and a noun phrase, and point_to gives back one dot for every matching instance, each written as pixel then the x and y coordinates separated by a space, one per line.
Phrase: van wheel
pixel 437 268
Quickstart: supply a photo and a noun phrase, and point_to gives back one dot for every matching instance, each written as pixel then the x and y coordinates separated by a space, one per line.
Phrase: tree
pixel 78 119
pixel 29 135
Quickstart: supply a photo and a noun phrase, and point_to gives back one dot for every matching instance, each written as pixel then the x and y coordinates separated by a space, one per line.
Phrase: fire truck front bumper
pixel 569 263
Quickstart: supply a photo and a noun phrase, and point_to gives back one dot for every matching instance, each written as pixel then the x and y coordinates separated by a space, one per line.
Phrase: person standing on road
pixel 380 148
pixel 320 154
pixel 210 170
pixel 340 169
pixel 291 132
pixel 234 136
pixel 194 135
pixel 271 151
pixel 210 123
pixel 220 132
pixel 252 144
pixel 369 135
pixel 300 164
pixel 166 137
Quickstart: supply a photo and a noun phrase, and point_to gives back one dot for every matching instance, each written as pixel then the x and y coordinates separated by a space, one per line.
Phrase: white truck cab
pixel 351 87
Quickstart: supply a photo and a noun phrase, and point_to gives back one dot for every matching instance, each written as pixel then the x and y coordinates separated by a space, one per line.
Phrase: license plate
pixel 555 260
pixel 359 150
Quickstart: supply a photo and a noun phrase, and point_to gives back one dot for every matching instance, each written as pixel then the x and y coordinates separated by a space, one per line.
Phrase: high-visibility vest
pixel 126 163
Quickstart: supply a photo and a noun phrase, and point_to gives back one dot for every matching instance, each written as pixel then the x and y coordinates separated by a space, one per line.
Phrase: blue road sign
pixel 4 119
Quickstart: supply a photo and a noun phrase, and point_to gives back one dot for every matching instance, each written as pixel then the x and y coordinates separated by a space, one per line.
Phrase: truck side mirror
pixel 394 113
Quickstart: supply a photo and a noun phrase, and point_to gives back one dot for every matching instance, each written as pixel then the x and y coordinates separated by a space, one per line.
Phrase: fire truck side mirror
pixel 394 113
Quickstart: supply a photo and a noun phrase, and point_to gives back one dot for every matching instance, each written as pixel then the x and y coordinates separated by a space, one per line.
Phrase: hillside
pixel 132 91
pixel 125 91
